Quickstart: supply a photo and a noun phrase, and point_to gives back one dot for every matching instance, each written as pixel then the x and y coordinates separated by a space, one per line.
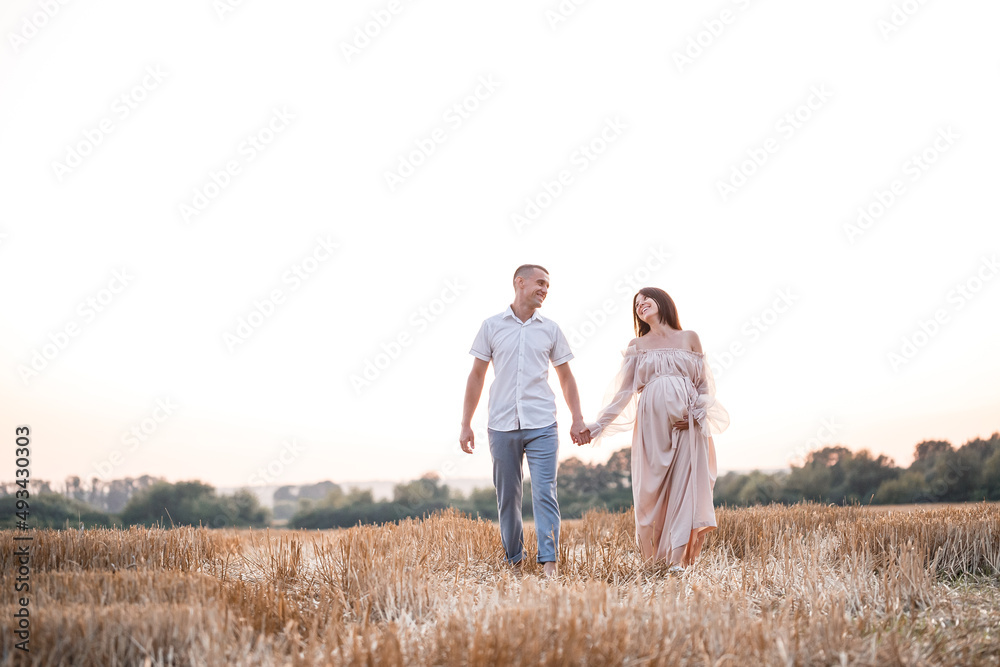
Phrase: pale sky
pixel 214 215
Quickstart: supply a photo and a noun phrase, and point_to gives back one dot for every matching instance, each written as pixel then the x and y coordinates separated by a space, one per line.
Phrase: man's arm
pixel 473 391
pixel 578 431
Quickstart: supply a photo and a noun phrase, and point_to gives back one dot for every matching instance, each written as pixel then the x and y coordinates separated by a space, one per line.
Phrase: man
pixel 522 411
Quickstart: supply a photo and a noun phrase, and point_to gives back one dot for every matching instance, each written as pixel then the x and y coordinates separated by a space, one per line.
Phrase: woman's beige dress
pixel 673 471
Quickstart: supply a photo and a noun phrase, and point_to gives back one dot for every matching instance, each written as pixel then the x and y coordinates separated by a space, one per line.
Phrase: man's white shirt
pixel 520 396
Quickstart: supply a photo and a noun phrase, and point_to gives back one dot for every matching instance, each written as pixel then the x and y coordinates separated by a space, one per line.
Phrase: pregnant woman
pixel 666 393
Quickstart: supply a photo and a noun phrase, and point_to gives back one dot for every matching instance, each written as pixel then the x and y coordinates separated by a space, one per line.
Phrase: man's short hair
pixel 525 270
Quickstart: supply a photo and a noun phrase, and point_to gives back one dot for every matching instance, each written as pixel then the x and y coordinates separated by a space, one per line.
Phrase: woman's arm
pixel 711 416
pixel 692 340
pixel 624 389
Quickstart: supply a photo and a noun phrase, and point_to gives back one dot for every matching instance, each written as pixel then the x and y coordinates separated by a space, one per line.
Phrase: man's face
pixel 534 287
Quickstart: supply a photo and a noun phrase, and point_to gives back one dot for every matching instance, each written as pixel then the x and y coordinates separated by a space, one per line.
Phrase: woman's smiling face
pixel 645 309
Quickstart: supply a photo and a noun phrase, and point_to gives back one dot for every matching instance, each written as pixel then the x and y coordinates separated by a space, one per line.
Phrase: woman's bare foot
pixel 549 569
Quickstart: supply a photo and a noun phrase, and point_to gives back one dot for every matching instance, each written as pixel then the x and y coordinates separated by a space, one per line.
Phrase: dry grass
pixel 802 585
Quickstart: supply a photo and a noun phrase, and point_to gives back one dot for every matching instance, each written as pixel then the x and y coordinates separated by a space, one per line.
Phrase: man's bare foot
pixel 549 569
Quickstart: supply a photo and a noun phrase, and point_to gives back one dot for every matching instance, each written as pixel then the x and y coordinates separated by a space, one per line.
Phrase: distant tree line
pixel 835 474
pixel 161 503
pixel 939 473
pixel 109 496
pixel 410 499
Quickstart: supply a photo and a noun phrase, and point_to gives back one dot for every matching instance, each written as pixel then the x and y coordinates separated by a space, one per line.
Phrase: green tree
pixel 760 489
pixel 481 502
pixel 420 491
pixel 728 487
pixel 862 476
pixel 193 503
pixel 953 476
pixel 817 476
pixel 991 476
pixel 619 468
pixel 909 487
pixel 927 452
pixel 52 510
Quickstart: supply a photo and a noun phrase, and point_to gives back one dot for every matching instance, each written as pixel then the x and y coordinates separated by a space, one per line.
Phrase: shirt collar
pixel 534 316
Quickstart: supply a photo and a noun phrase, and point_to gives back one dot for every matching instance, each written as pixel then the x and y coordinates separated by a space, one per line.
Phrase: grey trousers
pixel 541 447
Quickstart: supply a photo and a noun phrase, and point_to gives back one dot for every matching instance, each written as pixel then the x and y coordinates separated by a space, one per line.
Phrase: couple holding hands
pixel 664 391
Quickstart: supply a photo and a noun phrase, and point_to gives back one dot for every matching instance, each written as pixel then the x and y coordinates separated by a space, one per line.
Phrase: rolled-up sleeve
pixel 481 348
pixel 560 352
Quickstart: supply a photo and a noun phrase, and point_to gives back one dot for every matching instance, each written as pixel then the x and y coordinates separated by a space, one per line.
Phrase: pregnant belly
pixel 665 398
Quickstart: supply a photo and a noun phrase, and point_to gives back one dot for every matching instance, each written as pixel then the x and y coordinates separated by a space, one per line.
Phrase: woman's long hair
pixel 664 305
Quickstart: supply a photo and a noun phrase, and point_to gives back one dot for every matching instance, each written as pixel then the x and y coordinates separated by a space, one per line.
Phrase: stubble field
pixel 802 585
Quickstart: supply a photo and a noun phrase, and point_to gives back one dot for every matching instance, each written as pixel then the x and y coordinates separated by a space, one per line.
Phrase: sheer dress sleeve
pixel 620 401
pixel 708 412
